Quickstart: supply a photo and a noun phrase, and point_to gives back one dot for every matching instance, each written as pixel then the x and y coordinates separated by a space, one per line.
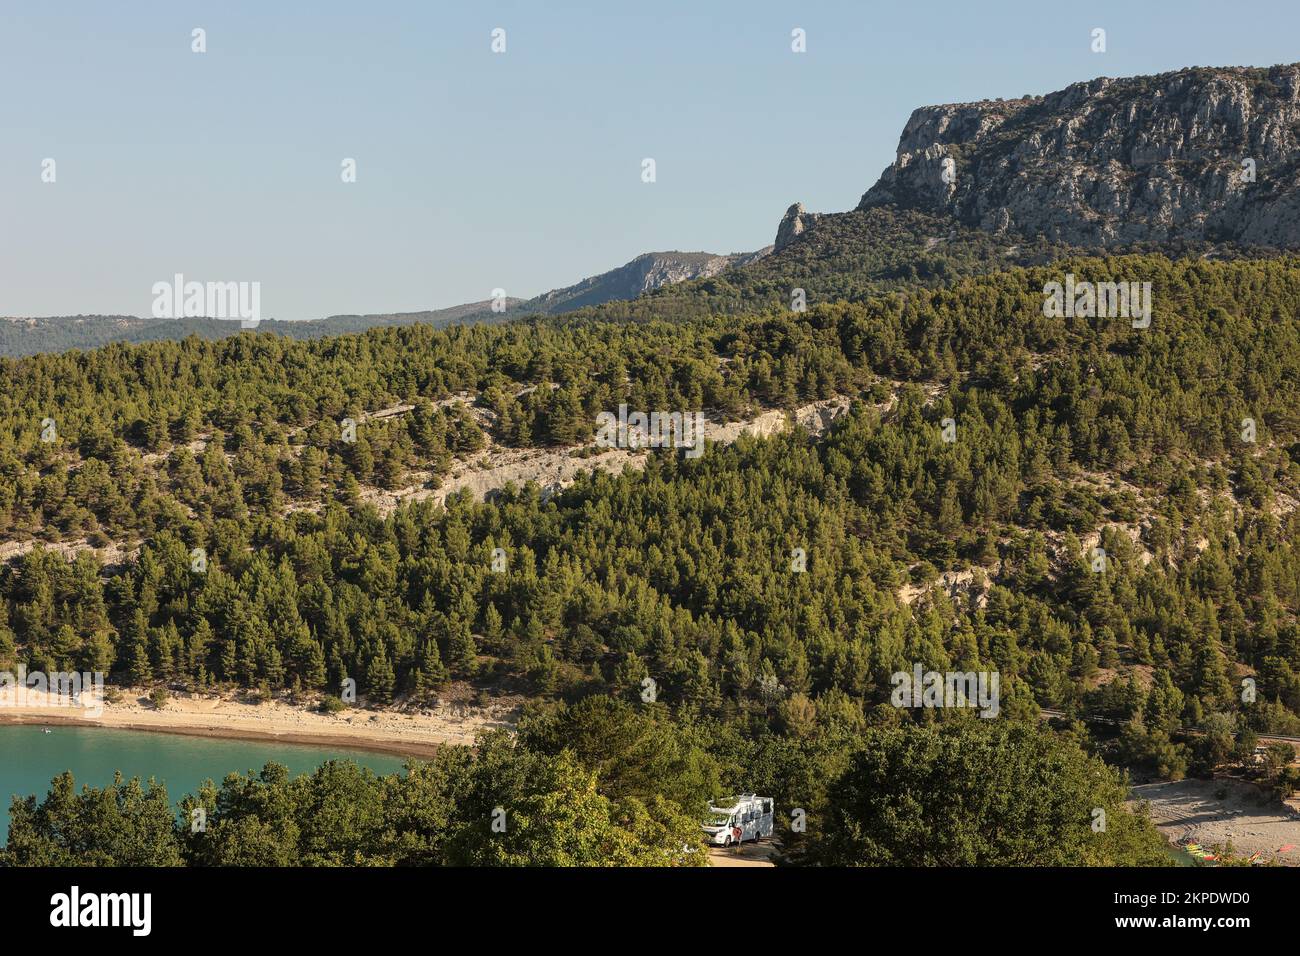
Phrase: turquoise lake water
pixel 29 758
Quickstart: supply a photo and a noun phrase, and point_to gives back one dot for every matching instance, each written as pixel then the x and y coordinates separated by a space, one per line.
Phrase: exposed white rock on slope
pixel 556 468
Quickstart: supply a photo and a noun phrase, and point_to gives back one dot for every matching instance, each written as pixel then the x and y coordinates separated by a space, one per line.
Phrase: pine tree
pixel 380 680
pixel 139 668
pixel 461 649
pixel 430 673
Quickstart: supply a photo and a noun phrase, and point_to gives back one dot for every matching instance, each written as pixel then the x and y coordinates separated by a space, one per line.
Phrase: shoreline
pixel 393 748
pixel 417 733
pixel 1221 811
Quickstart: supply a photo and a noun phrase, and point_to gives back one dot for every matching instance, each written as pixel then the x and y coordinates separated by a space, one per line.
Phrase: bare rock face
pixel 793 225
pixel 1199 154
pixel 654 269
pixel 643 274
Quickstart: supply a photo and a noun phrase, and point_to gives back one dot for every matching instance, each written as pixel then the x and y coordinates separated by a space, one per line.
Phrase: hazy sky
pixel 478 170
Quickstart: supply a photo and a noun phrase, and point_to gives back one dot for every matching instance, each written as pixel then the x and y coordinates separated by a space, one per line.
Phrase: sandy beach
pixel 1194 810
pixel 414 732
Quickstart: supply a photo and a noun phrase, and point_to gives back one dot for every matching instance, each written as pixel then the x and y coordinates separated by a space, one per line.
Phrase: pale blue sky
pixel 476 170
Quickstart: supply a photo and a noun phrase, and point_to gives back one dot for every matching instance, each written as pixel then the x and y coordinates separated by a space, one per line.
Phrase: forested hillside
pixel 1065 428
pixel 949 519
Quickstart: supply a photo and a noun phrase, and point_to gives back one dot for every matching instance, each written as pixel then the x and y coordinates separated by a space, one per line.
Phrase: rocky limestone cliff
pixel 643 274
pixel 1110 162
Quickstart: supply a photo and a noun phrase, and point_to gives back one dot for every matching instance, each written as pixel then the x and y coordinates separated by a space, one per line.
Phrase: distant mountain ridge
pixel 21 336
pixel 1201 161
pixel 643 274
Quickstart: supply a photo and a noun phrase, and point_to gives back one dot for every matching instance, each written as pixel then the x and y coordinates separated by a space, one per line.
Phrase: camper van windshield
pixel 719 819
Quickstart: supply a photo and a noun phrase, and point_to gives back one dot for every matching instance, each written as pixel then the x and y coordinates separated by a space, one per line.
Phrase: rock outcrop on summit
pixel 793 224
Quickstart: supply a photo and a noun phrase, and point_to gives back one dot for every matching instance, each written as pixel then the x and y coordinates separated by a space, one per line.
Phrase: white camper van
pixel 737 819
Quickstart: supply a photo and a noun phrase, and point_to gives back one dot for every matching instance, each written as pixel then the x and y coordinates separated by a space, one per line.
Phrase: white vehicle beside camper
pixel 738 820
